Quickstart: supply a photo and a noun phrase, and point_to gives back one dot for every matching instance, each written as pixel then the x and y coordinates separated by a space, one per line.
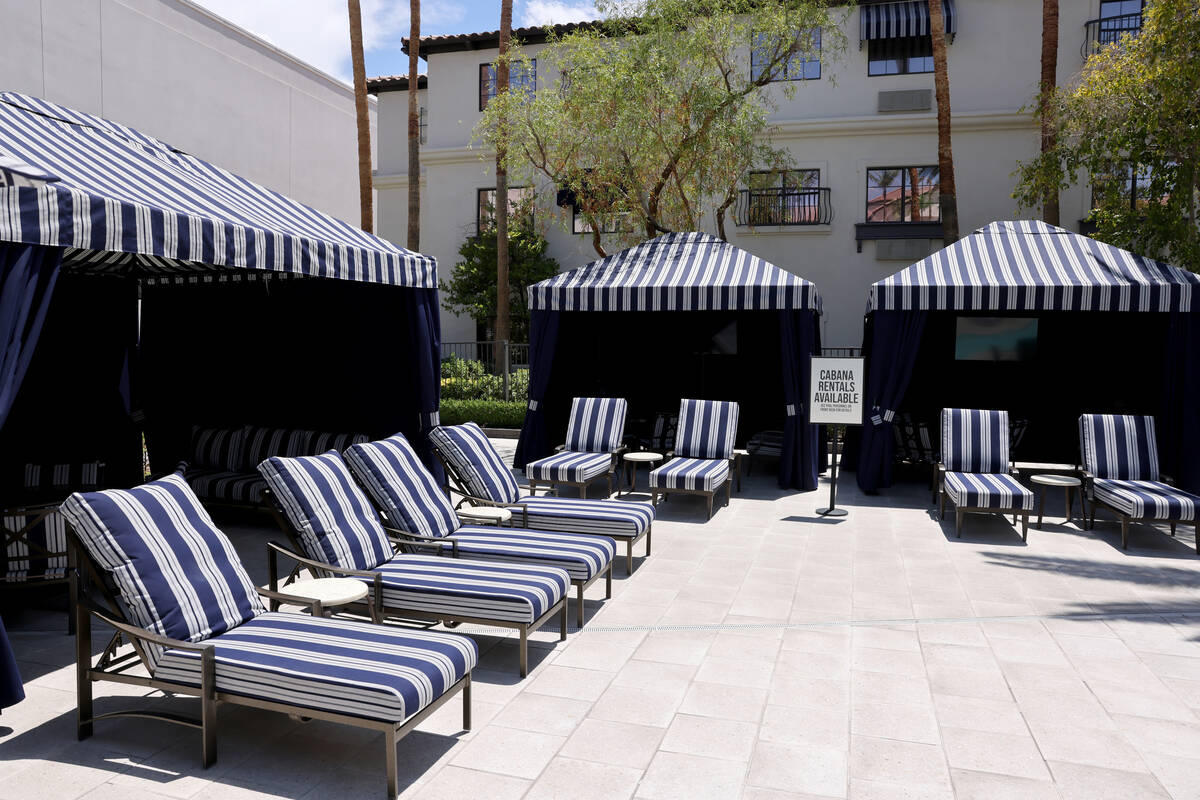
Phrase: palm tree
pixel 947 195
pixel 367 210
pixel 1046 110
pixel 502 314
pixel 414 128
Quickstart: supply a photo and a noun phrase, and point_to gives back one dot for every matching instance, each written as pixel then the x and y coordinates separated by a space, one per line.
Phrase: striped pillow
pixel 975 441
pixel 469 453
pixel 597 424
pixel 218 448
pixel 177 575
pixel 707 429
pixel 332 517
pixel 1119 447
pixel 401 486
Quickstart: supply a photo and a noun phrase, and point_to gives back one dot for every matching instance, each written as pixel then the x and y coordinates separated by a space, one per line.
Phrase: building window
pixel 906 56
pixel 903 194
pixel 521 78
pixel 797 68
pixel 1118 18
pixel 1134 184
pixel 520 208
pixel 609 223
pixel 786 197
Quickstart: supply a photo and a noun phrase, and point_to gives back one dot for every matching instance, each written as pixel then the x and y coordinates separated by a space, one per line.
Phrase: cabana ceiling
pixel 125 203
pixel 1027 265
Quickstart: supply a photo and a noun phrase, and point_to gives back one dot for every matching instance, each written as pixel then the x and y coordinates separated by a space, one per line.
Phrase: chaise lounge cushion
pixel 332 517
pixel 597 424
pixel 177 575
pixel 1000 491
pixel 1119 447
pixel 226 486
pixel 569 467
pixel 400 485
pixel 34 536
pixel 604 517
pixel 695 474
pixel 707 429
pixel 1146 499
pixel 340 666
pixel 975 441
pixel 219 448
pixel 467 449
pixel 582 557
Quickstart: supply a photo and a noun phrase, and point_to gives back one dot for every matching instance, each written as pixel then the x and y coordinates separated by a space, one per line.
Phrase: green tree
pixel 1131 122
pixel 471 289
pixel 662 107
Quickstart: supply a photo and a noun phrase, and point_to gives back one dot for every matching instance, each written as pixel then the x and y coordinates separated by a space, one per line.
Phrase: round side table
pixel 326 593
pixel 1068 483
pixel 631 464
pixel 485 515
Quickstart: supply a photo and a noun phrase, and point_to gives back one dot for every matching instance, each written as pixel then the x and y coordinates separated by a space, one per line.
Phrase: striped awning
pixel 676 272
pixel 1027 265
pixel 901 20
pixel 123 202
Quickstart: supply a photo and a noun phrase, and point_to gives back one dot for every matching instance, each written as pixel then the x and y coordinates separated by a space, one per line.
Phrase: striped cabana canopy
pixel 123 202
pixel 676 272
pixel 1027 265
pixel 900 20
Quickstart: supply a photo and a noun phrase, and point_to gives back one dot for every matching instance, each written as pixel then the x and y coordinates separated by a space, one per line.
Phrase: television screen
pixel 995 338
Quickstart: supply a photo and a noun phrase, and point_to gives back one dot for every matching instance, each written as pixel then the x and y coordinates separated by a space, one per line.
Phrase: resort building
pixel 862 198
pixel 186 76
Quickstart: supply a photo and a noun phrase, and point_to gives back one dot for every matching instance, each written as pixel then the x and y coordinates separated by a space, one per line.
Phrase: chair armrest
pixel 558 448
pixel 142 634
pixel 482 501
pixel 275 547
pixel 409 539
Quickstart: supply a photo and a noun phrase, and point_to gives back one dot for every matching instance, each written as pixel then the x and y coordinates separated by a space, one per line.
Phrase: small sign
pixel 836 391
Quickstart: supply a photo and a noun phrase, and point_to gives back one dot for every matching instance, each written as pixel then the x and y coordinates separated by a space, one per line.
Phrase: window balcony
pixel 1106 30
pixel 783 206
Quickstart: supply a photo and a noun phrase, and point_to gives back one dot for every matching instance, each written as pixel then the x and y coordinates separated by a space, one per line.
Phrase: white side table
pixel 326 593
pixel 1068 483
pixel 631 462
pixel 485 515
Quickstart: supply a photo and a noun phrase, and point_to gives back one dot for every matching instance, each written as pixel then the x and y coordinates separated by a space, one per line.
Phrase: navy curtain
pixel 11 690
pixel 27 277
pixel 543 341
pixel 798 463
pixel 895 339
pixel 1179 434
pixel 425 341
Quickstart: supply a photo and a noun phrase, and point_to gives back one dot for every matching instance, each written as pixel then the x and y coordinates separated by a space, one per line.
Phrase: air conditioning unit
pixel 906 100
pixel 902 249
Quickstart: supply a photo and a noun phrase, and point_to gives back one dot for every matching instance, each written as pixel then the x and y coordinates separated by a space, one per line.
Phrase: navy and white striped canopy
pixel 1027 265
pixel 121 201
pixel 676 272
pixel 898 20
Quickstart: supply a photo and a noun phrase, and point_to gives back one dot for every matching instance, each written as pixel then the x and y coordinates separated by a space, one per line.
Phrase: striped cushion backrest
pixel 177 575
pixel 44 479
pixel 706 429
pixel 471 456
pixel 333 519
pixel 402 487
pixel 974 440
pixel 1119 447
pixel 597 424
pixel 264 443
pixel 219 448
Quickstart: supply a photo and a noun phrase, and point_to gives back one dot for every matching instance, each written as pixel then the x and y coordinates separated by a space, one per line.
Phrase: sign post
pixel 835 399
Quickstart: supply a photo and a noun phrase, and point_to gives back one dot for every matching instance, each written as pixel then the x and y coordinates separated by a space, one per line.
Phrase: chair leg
pixel 958 518
pixel 629 557
pixel 1196 531
pixel 83 662
pixel 524 645
pixel 583 491
pixel 208 706
pixel 1025 527
pixel 1124 532
pixel 710 504
pixel 393 772
pixel 1042 507
pixel 579 605
pixel 942 504
pixel 1172 530
pixel 562 622
pixel 466 695
pixel 608 582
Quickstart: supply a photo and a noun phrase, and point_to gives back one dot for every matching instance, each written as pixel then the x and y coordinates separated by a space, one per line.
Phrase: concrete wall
pixel 994 67
pixel 178 73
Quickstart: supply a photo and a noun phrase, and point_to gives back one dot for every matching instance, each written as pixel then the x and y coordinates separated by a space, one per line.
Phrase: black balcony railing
pixel 783 207
pixel 1106 30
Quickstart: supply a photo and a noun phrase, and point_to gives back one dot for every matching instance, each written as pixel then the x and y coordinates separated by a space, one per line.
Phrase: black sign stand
pixel 833 510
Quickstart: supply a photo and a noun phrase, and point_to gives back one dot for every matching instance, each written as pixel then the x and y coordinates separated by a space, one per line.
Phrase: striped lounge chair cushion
pixel 224 486
pixel 583 557
pixel 987 490
pixel 333 519
pixel 1120 447
pixel 176 573
pixel 698 474
pixel 468 588
pixel 218 448
pixel 401 486
pixel 264 443
pixel 974 440
pixel 340 666
pixel 36 546
pixel 569 467
pixel 603 517
pixel 473 458
pixel 707 429
pixel 1146 499
pixel 597 424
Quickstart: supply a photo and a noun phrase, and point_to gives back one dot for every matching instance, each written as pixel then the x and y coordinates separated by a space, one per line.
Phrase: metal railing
pixel 495 370
pixel 783 207
pixel 1106 30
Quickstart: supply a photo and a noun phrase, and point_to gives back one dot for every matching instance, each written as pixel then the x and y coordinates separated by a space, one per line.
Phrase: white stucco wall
pixel 178 73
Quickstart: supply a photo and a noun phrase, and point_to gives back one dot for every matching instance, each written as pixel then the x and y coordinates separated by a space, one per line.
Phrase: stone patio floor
pixel 764 654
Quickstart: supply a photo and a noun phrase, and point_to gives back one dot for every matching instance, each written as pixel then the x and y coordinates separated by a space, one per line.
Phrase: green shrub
pixel 467 379
pixel 486 413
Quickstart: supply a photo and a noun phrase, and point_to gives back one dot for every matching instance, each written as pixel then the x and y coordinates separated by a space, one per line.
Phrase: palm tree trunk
pixel 1050 212
pixel 414 127
pixel 362 118
pixel 947 195
pixel 503 323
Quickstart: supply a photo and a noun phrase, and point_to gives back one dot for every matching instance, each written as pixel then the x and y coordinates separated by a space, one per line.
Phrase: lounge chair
pixel 414 504
pixel 975 473
pixel 594 435
pixel 173 587
pixel 476 472
pixel 1121 473
pixel 702 460
pixel 337 533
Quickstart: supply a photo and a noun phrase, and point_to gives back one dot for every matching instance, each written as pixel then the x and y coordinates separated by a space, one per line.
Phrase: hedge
pixel 487 413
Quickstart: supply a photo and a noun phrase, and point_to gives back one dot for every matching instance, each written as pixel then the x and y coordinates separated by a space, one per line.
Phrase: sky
pixel 317 31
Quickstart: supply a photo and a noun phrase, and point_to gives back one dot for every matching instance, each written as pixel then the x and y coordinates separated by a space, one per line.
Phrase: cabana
pixel 1041 322
pixel 681 315
pixel 142 289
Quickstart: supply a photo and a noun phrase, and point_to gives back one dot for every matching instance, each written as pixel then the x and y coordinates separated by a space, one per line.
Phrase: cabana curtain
pixel 424 329
pixel 27 278
pixel 895 341
pixel 543 341
pixel 798 462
